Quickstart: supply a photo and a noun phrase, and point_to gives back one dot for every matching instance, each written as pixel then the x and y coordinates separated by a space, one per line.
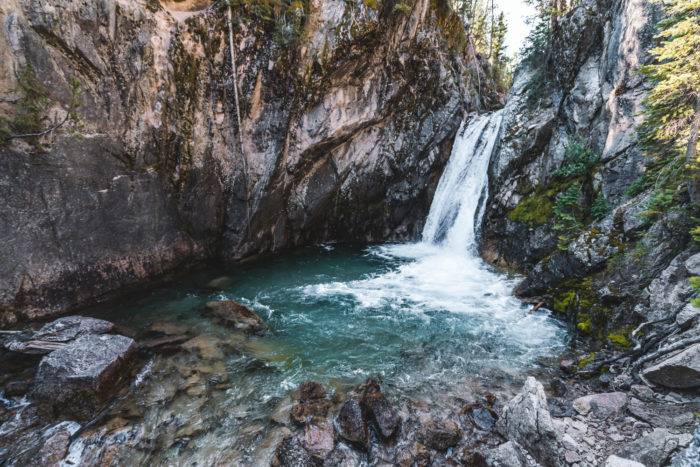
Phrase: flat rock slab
pixel 664 415
pixel 232 314
pixel 78 378
pixel 601 405
pixel 58 334
pixel 681 371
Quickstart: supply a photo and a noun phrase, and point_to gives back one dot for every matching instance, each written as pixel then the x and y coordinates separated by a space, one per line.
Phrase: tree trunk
pixel 691 154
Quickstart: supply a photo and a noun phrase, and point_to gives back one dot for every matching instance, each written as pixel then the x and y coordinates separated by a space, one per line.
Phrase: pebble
pixel 617 438
pixel 572 457
pixel 580 426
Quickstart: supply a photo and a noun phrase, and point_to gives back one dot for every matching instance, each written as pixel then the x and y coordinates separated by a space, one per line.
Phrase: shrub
pixel 579 159
pixel 568 214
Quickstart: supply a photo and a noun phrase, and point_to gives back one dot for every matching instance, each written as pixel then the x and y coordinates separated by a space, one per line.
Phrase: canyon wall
pixel 616 264
pixel 347 117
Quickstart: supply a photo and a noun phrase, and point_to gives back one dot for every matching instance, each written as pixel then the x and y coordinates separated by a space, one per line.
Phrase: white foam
pixel 444 271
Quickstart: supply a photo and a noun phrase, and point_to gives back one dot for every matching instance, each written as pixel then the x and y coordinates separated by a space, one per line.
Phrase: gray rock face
pixel 78 378
pixel 681 371
pixel 656 448
pixel 336 146
pixel 526 420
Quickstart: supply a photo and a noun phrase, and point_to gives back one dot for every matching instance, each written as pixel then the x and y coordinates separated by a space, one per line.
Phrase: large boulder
pixel 232 314
pixel 526 420
pixel 78 378
pixel 350 424
pixel 681 371
pixel 58 334
pixel 601 405
pixel 656 448
pixel 378 411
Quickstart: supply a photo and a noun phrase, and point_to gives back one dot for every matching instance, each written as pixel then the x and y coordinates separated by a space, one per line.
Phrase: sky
pixel 517 12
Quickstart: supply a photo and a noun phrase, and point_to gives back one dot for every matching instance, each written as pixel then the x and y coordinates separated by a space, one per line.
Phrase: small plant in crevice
pixel 569 214
pixel 579 159
pixel 600 207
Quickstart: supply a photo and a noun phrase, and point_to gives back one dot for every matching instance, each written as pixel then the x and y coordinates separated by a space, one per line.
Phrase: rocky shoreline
pixel 56 407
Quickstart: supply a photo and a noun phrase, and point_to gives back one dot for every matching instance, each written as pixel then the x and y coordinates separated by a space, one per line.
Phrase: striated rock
pixel 506 455
pixel 350 424
pixel 59 333
pixel 526 420
pixel 687 316
pixel 440 435
pixel 656 448
pixel 614 461
pixel 80 377
pixel 601 405
pixel 378 411
pixel 234 315
pixel 681 371
pixel 57 439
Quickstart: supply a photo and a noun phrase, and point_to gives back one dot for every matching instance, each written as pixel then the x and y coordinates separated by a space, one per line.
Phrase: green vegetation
pixel 486 31
pixel 619 337
pixel 29 113
pixel 569 199
pixel 672 108
pixel 403 8
pixel 535 209
pixel 579 159
pixel 568 214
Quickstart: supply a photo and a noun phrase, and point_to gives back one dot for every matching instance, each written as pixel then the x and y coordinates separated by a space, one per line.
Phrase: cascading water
pixel 459 202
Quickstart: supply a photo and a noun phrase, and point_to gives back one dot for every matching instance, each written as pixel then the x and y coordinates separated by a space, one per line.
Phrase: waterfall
pixel 460 199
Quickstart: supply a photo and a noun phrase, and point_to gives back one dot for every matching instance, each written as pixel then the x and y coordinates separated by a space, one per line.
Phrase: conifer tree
pixel 672 114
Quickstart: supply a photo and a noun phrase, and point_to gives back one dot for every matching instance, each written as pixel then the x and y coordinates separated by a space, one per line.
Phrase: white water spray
pixel 460 199
pixel 444 272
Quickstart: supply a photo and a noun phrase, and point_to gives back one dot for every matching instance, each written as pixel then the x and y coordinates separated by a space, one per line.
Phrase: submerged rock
pixel 292 453
pixel 440 435
pixel 526 420
pixel 81 376
pixel 378 411
pixel 232 314
pixel 681 371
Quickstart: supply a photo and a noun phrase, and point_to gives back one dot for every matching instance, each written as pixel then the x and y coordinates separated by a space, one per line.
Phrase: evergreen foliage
pixel 672 108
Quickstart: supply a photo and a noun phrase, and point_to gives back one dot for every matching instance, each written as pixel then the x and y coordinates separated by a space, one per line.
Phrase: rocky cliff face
pixel 600 258
pixel 347 117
